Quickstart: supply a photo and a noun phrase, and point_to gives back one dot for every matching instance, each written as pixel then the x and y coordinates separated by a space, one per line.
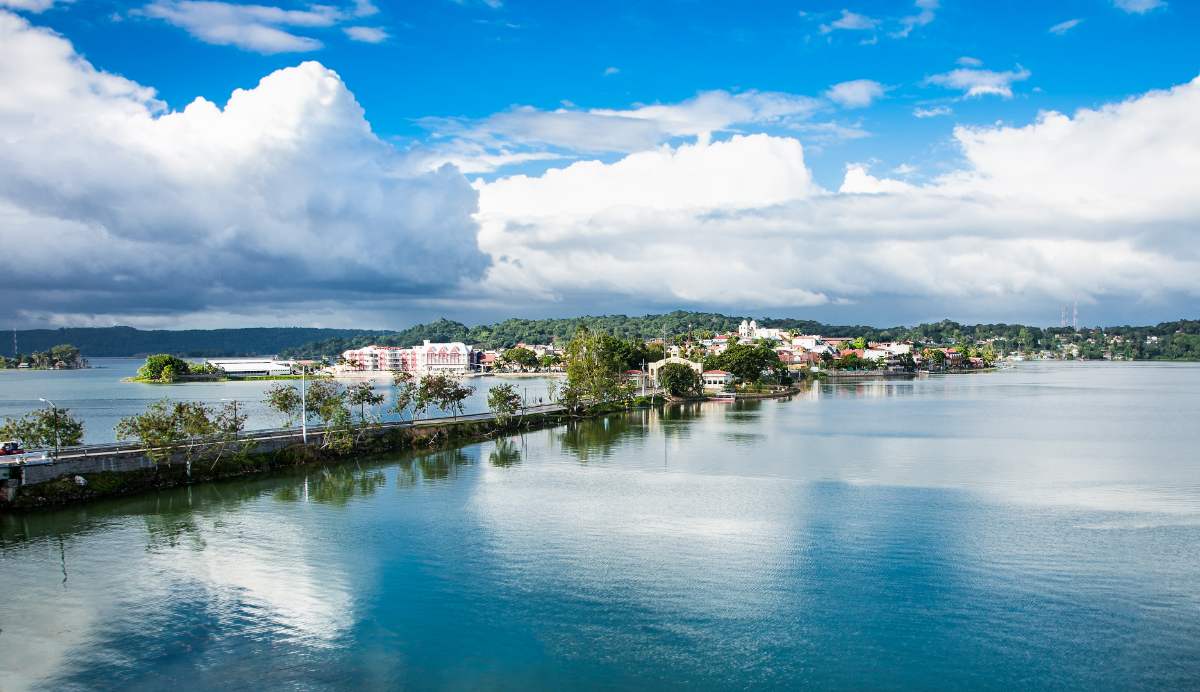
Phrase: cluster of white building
pixel 427 357
pixel 796 349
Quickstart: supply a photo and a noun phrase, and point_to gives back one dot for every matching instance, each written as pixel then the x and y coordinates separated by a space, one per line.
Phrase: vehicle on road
pixel 10 447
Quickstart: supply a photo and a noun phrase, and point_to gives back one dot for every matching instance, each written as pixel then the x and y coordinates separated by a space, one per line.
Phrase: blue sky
pixel 470 59
pixel 501 90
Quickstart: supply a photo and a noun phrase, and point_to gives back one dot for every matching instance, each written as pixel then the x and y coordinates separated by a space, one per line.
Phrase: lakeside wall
pixel 128 470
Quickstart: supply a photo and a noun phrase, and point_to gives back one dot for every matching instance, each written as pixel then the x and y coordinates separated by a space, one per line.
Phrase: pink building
pixel 428 357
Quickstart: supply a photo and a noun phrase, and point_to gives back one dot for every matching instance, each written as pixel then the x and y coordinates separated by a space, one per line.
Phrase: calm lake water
pixel 1036 528
pixel 99 398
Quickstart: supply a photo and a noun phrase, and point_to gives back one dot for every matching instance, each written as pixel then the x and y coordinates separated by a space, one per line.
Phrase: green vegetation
pixel 404 393
pixel 519 357
pixel 595 371
pixel 442 390
pixel 164 368
pixel 749 363
pixel 504 402
pixel 44 428
pixel 1166 341
pixel 60 356
pixel 680 380
pixel 183 429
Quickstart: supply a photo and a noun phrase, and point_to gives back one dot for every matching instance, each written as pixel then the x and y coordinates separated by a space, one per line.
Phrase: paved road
pixel 273 434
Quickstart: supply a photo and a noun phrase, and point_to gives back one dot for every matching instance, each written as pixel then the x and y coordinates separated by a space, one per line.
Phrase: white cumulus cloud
pixel 113 203
pixel 1139 6
pixel 858 93
pixel 980 82
pixel 850 21
pixel 1097 204
pixel 366 34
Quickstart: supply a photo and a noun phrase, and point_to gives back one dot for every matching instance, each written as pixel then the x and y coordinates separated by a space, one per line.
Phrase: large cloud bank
pixel 1101 204
pixel 113 205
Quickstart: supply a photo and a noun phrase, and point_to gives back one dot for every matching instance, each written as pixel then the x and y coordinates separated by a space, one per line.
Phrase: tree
pixel 548 361
pixel 444 391
pixel 679 379
pixel 322 400
pixel 504 402
pixel 285 400
pixel 520 357
pixel 44 428
pixel 404 392
pixel 152 369
pixel 362 395
pixel 747 362
pixel 65 354
pixel 168 428
pixel 593 371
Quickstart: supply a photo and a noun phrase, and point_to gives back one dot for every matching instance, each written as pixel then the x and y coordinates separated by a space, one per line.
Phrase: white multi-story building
pixel 428 357
pixel 751 330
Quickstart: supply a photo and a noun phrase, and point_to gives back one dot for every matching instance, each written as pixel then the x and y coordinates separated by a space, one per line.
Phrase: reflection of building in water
pixel 867 389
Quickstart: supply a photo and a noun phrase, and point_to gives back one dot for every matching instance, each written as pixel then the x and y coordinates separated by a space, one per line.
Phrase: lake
pixel 99 398
pixel 1034 528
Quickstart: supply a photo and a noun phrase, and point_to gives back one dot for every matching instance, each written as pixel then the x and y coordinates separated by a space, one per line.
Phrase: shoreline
pixel 124 472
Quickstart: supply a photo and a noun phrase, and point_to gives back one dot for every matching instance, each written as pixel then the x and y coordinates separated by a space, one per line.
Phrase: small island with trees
pixel 60 357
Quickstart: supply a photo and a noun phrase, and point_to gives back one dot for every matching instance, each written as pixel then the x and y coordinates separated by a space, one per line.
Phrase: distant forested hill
pixel 99 342
pixel 1175 340
pixel 1166 341
pixel 512 331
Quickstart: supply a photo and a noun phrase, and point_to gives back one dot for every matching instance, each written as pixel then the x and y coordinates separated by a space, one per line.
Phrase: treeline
pixel 57 356
pixel 103 342
pixel 1175 338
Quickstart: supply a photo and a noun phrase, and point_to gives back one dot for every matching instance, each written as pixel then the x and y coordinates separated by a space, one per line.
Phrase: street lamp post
pixel 57 439
pixel 303 406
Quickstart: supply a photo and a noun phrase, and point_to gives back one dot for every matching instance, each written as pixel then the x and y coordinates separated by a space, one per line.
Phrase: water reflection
pixel 505 454
pixel 333 486
pixel 443 465
pixel 768 544
pixel 596 437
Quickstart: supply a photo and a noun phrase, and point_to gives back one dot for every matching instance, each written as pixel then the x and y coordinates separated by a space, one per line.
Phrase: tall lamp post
pixel 303 406
pixel 54 410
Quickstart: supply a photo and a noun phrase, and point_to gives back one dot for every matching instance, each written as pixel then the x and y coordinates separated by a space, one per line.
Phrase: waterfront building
pixel 717 380
pixel 658 364
pixel 253 367
pixel 427 357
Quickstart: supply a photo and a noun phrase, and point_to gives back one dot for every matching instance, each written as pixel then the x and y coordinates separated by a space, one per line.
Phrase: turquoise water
pixel 1036 528
pixel 99 398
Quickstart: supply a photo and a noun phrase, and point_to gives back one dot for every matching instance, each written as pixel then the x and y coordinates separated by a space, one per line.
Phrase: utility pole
pixel 57 438
pixel 303 406
pixel 1075 316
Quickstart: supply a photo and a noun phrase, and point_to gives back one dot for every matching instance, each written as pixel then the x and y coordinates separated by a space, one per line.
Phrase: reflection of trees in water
pixel 439 466
pixel 585 438
pixel 505 454
pixel 333 486
pixel 173 519
pixel 171 528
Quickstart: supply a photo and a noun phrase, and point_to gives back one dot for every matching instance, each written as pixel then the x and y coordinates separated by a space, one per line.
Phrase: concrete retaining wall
pixel 97 460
